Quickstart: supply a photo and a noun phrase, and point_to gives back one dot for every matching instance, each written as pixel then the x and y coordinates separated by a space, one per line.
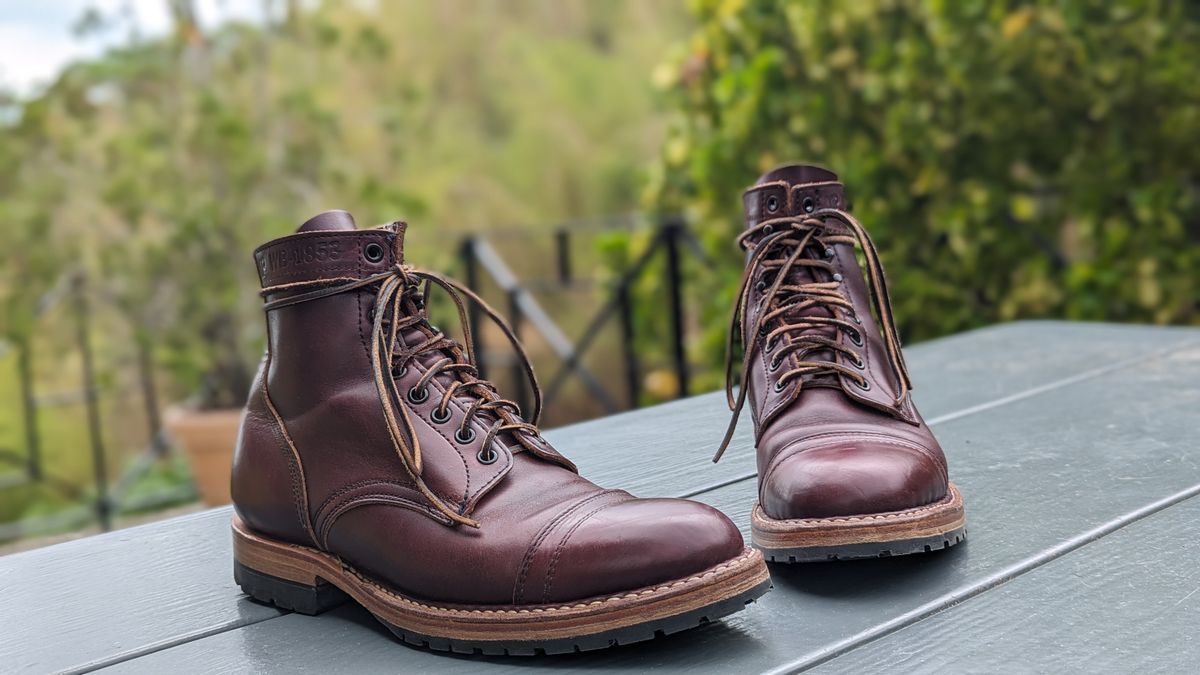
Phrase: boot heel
pixel 286 594
pixel 285 575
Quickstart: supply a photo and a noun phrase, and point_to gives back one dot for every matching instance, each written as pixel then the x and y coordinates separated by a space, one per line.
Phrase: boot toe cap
pixel 849 479
pixel 639 543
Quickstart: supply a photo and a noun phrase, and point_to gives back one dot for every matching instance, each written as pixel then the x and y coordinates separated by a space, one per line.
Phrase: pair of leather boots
pixel 375 464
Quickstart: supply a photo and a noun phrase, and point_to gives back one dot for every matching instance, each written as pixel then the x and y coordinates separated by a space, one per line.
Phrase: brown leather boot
pixel 846 466
pixel 374 463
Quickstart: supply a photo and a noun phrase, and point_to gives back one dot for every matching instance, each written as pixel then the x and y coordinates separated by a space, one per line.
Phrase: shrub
pixel 1012 160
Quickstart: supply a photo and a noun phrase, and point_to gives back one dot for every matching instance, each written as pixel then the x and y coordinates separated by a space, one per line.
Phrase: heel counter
pixel 267 481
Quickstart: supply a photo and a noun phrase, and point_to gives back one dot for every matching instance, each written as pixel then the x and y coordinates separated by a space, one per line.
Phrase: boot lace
pixel 799 313
pixel 400 304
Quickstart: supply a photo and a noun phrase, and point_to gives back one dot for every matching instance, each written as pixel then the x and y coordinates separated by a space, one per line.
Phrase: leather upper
pixel 829 445
pixel 315 464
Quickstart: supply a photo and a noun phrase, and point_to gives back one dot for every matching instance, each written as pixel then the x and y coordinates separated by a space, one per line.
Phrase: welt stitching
pixel 562 544
pixel 519 590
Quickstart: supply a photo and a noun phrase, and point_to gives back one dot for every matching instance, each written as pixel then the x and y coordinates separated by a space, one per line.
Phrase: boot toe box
pixel 852 478
pixel 639 543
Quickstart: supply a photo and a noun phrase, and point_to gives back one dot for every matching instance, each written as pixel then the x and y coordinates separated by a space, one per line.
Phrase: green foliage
pixel 159 166
pixel 1012 159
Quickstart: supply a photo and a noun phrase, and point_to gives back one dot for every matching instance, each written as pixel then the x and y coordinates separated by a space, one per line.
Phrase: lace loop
pixel 777 247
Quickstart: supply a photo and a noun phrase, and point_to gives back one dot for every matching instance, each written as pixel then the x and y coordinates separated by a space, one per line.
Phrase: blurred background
pixel 578 163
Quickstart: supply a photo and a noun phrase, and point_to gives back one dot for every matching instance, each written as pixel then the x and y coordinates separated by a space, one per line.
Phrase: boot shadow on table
pixel 862 579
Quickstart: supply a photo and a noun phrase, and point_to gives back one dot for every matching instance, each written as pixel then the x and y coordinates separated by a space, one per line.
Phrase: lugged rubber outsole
pixel 309 581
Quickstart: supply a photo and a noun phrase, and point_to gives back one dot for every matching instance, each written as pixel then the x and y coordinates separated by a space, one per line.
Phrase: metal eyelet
pixel 441 418
pixel 771 344
pixel 418 396
pixel 371 313
pixel 837 277
pixel 373 252
pixel 774 366
pixel 487 456
pixel 779 386
pixel 809 205
pixel 760 286
pixel 856 338
pixel 466 437
pixel 865 385
pixel 772 204
pixel 828 253
pixel 396 375
pixel 768 229
pixel 858 362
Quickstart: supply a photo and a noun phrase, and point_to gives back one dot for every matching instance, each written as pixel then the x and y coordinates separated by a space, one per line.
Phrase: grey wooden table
pixel 1075 445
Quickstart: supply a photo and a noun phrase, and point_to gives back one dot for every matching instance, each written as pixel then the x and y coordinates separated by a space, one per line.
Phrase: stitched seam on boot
pixel 553 567
pixel 295 466
pixel 527 561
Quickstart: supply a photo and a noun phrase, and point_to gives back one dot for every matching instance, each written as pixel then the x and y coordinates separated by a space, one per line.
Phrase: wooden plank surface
pixel 1128 603
pixel 1042 476
pixel 141 591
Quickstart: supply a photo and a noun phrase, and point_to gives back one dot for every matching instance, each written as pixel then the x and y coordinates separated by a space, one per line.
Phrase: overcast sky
pixel 36 37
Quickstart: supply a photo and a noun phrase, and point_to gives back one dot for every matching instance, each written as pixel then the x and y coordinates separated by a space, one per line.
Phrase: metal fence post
pixel 672 233
pixel 562 250
pixel 520 392
pixel 470 263
pixel 633 382
pixel 150 397
pixel 33 439
pixel 99 466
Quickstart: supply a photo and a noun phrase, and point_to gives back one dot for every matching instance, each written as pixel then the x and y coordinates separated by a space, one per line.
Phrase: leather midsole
pixel 926 521
pixel 311 567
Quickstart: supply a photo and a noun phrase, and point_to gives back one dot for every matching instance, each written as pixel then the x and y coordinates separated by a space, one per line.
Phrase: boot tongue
pixel 329 221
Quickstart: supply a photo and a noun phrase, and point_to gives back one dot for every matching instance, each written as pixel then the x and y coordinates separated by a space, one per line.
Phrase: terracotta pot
pixel 208 438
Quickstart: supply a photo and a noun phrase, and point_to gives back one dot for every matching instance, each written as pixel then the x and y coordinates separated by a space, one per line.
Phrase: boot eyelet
pixel 772 204
pixel 440 415
pixel 858 362
pixel 760 286
pixel 465 436
pixel 487 456
pixel 856 338
pixel 779 386
pixel 398 374
pixel 771 344
pixel 865 385
pixel 828 253
pixel 809 205
pixel 774 365
pixel 418 396
pixel 371 314
pixel 768 229
pixel 373 252
pixel 837 277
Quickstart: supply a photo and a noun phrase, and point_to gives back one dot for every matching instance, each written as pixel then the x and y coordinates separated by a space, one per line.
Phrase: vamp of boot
pixel 846 466
pixel 375 465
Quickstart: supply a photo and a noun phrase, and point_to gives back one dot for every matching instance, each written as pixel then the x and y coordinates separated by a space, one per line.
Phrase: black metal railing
pixel 97 501
pixel 480 259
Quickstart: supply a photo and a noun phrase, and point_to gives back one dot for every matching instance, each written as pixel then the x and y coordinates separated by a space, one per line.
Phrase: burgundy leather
pixel 827 447
pixel 315 466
